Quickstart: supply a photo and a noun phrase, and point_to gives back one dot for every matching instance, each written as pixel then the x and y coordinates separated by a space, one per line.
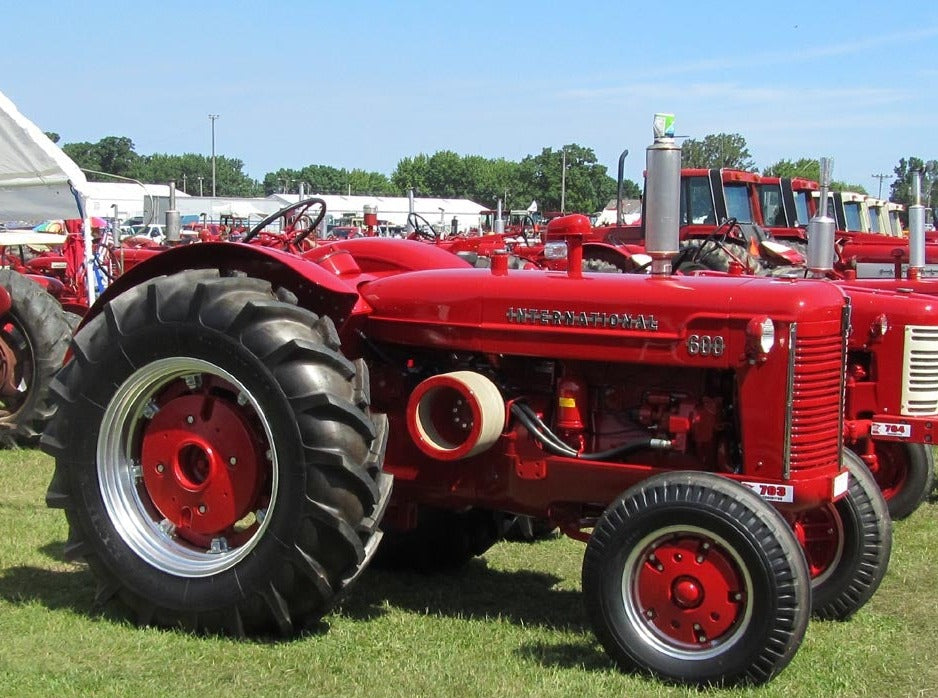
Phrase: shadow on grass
pixel 74 591
pixel 71 590
pixel 473 592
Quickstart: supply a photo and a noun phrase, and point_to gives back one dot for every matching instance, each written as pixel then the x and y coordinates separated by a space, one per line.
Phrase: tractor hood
pixel 596 316
pixel 874 312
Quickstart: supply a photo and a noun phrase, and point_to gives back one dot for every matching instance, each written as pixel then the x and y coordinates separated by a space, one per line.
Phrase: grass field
pixel 511 624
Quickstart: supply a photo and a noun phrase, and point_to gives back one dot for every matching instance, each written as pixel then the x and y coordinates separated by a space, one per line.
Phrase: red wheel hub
pixel 8 361
pixel 818 533
pixel 200 465
pixel 686 592
pixel 690 590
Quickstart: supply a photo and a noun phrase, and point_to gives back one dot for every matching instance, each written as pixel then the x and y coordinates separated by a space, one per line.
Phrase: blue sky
pixel 361 84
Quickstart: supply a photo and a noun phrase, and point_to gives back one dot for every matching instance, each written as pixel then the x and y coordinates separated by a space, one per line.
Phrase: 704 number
pixel 706 345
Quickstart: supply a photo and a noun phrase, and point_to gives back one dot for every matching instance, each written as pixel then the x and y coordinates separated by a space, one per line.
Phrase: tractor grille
pixel 920 371
pixel 817 369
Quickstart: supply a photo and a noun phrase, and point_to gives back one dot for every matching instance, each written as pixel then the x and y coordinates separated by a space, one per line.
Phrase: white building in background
pixel 394 209
pixel 211 209
pixel 631 212
pixel 129 198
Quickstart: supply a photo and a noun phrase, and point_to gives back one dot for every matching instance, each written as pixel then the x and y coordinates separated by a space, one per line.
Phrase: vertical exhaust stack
pixel 662 196
pixel 409 228
pixel 619 186
pixel 172 217
pixel 916 228
pixel 821 229
pixel 498 227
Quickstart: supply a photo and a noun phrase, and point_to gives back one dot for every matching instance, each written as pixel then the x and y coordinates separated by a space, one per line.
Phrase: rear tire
pixel 847 545
pixel 216 458
pixel 693 578
pixel 34 335
pixel 442 540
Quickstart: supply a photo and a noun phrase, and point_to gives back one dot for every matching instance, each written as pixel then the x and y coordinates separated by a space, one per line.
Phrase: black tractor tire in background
pixel 930 453
pixel 34 335
pixel 694 579
pixel 528 529
pixel 216 457
pixel 847 545
pixel 906 475
pixel 442 540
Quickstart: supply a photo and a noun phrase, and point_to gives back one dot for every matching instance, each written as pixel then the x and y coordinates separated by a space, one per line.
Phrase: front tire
pixel 905 475
pixel 693 578
pixel 847 545
pixel 216 458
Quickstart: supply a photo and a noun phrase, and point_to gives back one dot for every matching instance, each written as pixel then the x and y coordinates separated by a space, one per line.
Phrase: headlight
pixel 760 335
pixel 555 250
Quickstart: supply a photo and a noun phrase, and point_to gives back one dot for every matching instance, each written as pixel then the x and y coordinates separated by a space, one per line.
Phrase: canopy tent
pixel 38 180
pixel 36 177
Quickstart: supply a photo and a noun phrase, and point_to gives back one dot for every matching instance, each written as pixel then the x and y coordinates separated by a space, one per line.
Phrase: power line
pixel 881 177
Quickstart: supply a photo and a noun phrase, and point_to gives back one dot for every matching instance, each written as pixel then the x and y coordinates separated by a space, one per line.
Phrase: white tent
pixel 38 180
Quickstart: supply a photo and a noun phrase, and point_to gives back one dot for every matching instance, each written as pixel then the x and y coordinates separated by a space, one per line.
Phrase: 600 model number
pixel 706 345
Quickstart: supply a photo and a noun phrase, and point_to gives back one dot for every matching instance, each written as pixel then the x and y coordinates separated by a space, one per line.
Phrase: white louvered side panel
pixel 920 371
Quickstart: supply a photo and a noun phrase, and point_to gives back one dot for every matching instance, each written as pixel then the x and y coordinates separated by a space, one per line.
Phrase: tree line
pixel 570 173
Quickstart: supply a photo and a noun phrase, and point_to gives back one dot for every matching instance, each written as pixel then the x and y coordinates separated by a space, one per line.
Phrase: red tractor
pixel 231 418
pixel 892 375
pixel 49 295
pixel 34 333
pixel 861 252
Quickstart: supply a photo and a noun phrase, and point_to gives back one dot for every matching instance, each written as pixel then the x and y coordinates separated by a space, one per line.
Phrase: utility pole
pixel 563 182
pixel 200 185
pixel 213 117
pixel 881 177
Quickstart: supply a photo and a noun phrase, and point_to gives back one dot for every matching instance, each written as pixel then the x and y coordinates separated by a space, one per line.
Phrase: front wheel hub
pixel 687 592
pixel 689 589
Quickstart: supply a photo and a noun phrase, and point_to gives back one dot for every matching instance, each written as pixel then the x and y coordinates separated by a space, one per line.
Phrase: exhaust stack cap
pixel 821 229
pixel 662 196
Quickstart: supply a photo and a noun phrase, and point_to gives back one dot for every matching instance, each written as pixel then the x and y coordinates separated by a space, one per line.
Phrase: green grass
pixel 511 624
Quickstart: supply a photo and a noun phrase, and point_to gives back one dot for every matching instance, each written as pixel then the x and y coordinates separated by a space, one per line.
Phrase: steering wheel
pixel 295 219
pixel 524 222
pixel 717 239
pixel 424 230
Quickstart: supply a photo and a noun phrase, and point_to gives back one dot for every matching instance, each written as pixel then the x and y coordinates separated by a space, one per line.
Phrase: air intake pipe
pixel 455 415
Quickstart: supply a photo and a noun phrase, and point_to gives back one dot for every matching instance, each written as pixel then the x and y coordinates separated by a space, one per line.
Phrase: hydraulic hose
pixel 555 445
